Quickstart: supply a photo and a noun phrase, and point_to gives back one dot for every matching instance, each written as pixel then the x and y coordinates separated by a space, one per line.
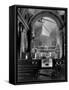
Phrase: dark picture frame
pixel 24 68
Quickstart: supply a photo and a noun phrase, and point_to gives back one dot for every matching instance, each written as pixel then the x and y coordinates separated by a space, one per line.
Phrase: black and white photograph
pixel 34 45
pixel 40 44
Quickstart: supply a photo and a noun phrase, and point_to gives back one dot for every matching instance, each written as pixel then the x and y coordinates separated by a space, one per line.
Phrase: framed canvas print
pixel 37 44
